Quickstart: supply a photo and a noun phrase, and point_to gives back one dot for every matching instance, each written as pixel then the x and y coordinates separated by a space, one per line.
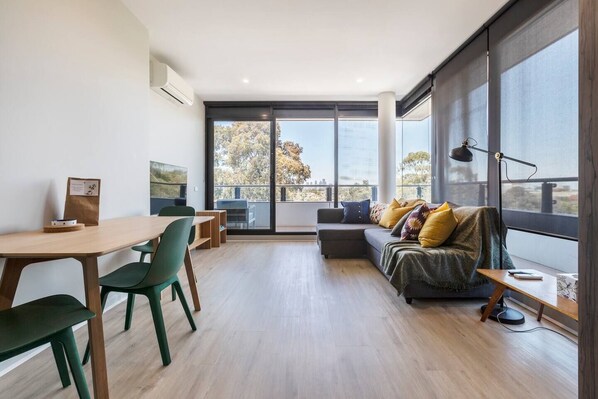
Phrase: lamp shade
pixel 461 154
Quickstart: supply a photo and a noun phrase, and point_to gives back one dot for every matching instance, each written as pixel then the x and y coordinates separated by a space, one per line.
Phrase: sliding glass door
pixel 273 165
pixel 304 172
pixel 242 169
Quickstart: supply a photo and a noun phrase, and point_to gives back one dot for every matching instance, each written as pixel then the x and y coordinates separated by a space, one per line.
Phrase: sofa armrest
pixel 330 215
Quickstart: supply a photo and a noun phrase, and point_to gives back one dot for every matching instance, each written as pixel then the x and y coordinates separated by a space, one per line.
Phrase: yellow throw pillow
pixel 393 214
pixel 438 227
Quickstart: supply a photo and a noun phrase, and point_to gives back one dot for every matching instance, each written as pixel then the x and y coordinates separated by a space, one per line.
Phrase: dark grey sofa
pixel 340 240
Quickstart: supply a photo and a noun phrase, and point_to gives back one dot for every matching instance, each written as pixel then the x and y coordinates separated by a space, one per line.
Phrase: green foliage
pixel 358 192
pixel 242 157
pixel 415 171
pixel 416 168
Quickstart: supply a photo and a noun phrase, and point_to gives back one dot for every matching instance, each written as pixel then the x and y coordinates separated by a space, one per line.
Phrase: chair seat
pixel 128 276
pixel 36 320
pixel 146 248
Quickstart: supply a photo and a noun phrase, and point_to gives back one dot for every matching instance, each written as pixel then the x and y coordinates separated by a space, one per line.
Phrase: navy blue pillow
pixel 356 212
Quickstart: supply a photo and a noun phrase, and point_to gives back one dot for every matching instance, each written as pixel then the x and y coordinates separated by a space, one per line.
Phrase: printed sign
pixel 89 188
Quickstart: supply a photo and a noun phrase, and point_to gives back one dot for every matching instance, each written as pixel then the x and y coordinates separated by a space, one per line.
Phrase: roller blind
pixel 459 110
pixel 534 112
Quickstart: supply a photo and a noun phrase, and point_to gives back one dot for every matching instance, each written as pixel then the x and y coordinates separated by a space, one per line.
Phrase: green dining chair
pixel 150 279
pixel 46 320
pixel 148 247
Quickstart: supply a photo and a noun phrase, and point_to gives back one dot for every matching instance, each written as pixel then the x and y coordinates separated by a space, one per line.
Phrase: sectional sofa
pixel 414 270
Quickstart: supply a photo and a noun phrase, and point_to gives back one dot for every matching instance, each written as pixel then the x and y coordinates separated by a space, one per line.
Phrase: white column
pixel 387 164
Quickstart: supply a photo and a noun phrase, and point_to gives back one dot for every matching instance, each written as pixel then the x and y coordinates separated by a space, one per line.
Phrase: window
pixel 242 173
pixel 357 159
pixel 414 175
pixel 273 165
pixel 534 70
pixel 305 160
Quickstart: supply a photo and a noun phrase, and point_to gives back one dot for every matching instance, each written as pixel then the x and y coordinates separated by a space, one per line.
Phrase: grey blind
pixel 534 112
pixel 459 109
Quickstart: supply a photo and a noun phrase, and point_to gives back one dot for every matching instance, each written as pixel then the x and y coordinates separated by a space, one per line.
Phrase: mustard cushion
pixel 438 227
pixel 393 214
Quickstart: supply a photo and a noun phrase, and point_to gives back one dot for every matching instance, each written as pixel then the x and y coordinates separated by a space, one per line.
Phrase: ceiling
pixel 307 49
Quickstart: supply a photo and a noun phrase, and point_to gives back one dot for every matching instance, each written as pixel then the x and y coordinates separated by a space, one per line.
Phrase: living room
pixel 276 124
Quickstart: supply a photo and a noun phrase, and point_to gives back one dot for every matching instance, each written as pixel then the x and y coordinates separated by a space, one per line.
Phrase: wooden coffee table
pixel 542 291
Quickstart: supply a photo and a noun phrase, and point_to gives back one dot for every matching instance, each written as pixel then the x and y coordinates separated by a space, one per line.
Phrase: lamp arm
pixel 498 155
pixel 502 156
pixel 479 149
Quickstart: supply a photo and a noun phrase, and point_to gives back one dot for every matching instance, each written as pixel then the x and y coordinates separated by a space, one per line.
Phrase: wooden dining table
pixel 86 246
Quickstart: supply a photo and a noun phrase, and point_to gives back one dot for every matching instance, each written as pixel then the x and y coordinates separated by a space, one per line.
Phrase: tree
pixel 415 170
pixel 242 157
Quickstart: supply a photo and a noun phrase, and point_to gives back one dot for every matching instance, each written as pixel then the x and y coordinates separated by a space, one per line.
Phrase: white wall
pixel 553 252
pixel 75 101
pixel 177 137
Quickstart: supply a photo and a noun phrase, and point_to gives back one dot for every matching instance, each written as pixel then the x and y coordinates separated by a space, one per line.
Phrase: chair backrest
pixel 169 254
pixel 180 211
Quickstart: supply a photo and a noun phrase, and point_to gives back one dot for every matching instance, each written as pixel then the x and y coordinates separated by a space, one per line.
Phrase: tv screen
pixel 168 186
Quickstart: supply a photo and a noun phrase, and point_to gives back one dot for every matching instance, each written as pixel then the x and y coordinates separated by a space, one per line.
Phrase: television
pixel 168 186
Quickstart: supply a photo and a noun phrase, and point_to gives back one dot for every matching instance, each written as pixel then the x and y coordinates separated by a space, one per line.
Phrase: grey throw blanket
pixel 473 245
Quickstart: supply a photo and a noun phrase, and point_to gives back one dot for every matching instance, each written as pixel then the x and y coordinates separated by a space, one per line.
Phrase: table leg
pixel 10 278
pixel 496 295
pixel 155 243
pixel 95 327
pixel 540 311
pixel 192 280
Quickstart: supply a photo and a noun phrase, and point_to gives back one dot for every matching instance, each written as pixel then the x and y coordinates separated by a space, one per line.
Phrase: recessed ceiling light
pixel 245 80
pixel 359 80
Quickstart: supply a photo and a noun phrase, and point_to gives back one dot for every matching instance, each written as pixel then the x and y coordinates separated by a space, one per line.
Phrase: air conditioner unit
pixel 169 84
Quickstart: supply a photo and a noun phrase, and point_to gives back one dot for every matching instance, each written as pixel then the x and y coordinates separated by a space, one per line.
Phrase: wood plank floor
pixel 279 321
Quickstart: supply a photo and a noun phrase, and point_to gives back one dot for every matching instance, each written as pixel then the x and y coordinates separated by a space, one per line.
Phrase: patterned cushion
pixel 356 212
pixel 396 231
pixel 377 211
pixel 415 222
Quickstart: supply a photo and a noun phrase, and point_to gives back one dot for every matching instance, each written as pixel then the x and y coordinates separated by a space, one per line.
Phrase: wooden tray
pixel 63 229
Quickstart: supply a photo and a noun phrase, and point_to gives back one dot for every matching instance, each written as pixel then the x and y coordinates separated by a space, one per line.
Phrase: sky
pixel 358 146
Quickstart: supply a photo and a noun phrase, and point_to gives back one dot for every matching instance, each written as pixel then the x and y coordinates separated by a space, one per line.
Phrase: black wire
pixel 471 138
pixel 506 307
pixel 507 171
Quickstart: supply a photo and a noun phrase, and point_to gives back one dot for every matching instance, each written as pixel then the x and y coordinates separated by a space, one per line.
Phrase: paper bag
pixel 83 200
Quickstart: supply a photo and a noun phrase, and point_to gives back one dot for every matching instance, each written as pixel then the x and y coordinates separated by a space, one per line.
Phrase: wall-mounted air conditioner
pixel 169 84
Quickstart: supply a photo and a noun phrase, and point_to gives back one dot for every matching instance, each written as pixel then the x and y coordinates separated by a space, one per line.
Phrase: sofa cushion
pixel 438 227
pixel 378 237
pixel 415 222
pixel 356 212
pixel 376 212
pixel 343 231
pixel 396 231
pixel 393 214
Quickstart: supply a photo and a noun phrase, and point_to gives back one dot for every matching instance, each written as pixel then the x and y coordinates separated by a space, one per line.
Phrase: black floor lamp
pixel 463 154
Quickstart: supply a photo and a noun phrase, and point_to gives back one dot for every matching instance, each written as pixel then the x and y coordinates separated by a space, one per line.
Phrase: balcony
pixel 297 204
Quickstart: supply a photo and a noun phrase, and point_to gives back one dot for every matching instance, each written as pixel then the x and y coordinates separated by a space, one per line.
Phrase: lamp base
pixel 507 315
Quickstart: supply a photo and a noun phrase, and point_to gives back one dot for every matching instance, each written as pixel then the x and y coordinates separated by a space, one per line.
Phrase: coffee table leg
pixel 95 328
pixel 540 311
pixel 192 280
pixel 498 291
